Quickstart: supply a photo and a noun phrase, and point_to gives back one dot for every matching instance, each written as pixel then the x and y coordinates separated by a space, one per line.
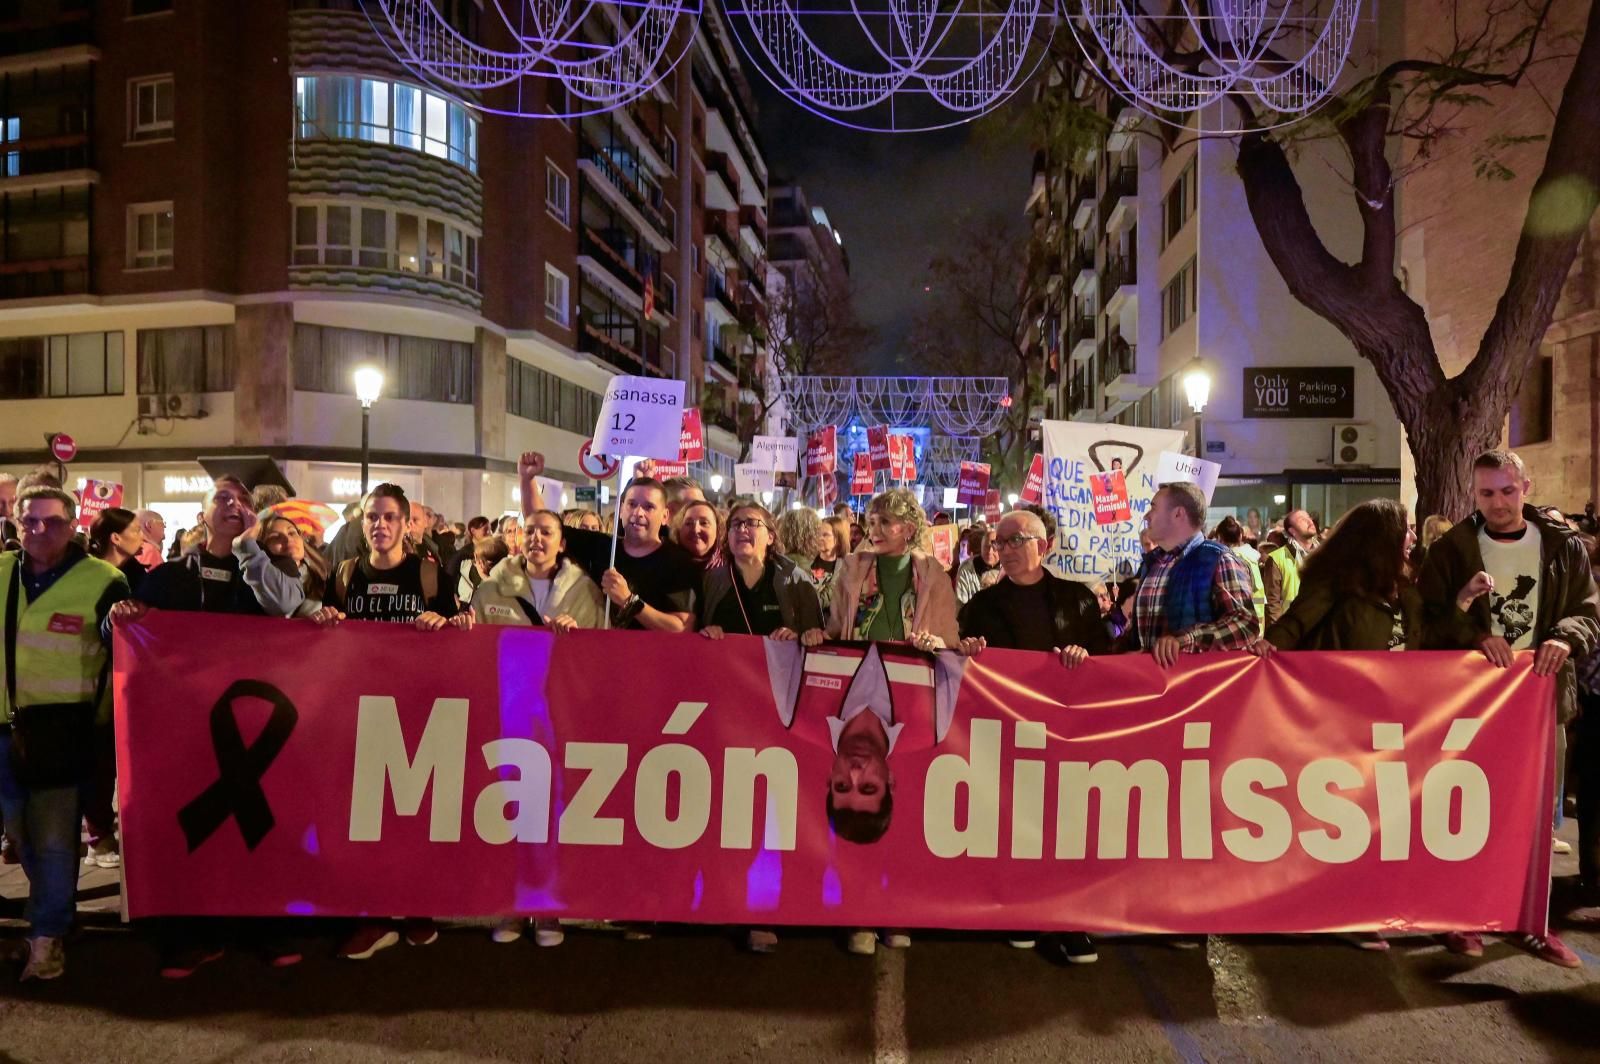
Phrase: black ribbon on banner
pixel 237 791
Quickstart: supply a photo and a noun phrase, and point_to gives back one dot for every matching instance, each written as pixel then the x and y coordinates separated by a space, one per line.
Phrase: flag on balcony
pixel 649 293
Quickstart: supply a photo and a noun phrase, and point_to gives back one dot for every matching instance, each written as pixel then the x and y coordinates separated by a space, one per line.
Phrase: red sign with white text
pixel 991 506
pixel 863 481
pixel 63 448
pixel 973 487
pixel 827 491
pixel 878 444
pixel 96 498
pixel 1033 485
pixel 1110 494
pixel 663 470
pixel 267 767
pixel 692 440
pixel 821 452
pixel 902 458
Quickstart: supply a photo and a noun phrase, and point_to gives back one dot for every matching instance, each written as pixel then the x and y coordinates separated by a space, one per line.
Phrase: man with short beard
pixel 1280 567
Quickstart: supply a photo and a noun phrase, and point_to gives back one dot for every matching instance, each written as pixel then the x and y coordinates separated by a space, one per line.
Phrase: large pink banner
pixel 268 767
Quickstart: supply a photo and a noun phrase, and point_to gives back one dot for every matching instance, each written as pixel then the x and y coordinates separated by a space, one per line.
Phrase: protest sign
pixel 862 482
pixel 973 487
pixel 944 544
pixel 827 491
pixel 96 498
pixel 991 506
pixel 781 454
pixel 902 458
pixel 752 478
pixel 1075 450
pixel 264 773
pixel 821 452
pixel 1110 497
pixel 641 416
pixel 878 446
pixel 1033 485
pixel 692 441
pixel 1176 468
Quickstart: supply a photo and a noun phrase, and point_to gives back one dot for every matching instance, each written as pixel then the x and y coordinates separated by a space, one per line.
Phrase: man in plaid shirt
pixel 1196 595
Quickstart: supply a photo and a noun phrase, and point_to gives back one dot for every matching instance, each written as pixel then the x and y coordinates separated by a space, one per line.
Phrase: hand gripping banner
pixel 267 767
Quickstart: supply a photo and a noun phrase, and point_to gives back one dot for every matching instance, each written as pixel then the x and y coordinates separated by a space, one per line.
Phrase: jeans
pixel 44 824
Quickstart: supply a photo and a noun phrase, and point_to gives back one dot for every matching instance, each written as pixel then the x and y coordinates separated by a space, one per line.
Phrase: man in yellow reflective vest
pixel 55 601
pixel 1280 566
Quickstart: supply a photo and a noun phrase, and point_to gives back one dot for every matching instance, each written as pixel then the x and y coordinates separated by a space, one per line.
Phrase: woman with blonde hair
pixel 893 590
pixel 697 528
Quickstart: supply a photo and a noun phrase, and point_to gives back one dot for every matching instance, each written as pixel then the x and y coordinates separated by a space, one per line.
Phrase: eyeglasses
pixel 1015 542
pixel 739 524
pixel 40 524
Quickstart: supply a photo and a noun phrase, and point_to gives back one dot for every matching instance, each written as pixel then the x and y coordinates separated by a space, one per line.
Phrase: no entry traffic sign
pixel 63 448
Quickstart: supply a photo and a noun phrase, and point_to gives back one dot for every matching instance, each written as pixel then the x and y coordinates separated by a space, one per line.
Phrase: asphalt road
pixel 691 995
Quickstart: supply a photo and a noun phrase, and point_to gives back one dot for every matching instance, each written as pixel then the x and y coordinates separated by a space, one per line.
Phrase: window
pixel 150 236
pixel 55 367
pixel 386 112
pixel 11 161
pixel 414 367
pixel 667 301
pixel 148 7
pixel 1533 410
pixel 150 108
pixel 557 295
pixel 1178 205
pixel 178 361
pixel 383 238
pixel 1178 299
pixel 557 193
pixel 670 214
pixel 538 395
pixel 672 151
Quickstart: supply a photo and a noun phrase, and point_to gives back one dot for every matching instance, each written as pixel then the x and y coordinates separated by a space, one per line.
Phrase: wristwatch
pixel 630 609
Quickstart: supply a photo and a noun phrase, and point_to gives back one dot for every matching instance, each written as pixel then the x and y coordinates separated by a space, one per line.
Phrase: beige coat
pixel 936 599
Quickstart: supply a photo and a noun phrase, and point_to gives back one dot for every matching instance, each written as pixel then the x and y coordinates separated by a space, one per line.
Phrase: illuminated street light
pixel 369 384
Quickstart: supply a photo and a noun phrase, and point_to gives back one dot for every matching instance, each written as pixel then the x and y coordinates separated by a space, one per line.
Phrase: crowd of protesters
pixel 1511 577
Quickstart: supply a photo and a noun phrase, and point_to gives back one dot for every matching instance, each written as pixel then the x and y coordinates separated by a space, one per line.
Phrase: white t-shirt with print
pixel 1514 602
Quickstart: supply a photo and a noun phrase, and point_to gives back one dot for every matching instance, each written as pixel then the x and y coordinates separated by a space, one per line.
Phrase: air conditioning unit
pixel 1354 445
pixel 176 405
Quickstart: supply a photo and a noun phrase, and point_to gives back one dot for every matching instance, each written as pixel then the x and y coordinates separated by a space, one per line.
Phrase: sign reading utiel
pixel 1299 391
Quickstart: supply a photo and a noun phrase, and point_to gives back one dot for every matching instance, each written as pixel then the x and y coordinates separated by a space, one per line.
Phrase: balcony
pixel 1122 276
pixel 31 156
pixel 720 418
pixel 64 24
pixel 1119 205
pixel 600 247
pixel 611 349
pixel 1119 369
pixel 717 289
pixel 754 220
pixel 720 172
pixel 724 358
pixel 646 203
pixel 717 228
pixel 43 278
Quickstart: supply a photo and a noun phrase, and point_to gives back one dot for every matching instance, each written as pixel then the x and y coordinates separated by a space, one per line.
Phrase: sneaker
pixel 1372 941
pixel 897 939
pixel 185 962
pixel 47 959
pixel 548 933
pixel 1022 943
pixel 1552 949
pixel 421 932
pixel 1463 943
pixel 507 931
pixel 761 941
pixel 862 943
pixel 103 854
pixel 8 851
pixel 367 940
pixel 1074 947
pixel 1560 845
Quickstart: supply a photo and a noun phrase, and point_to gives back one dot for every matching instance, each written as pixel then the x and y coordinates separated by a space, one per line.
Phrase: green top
pixel 894 580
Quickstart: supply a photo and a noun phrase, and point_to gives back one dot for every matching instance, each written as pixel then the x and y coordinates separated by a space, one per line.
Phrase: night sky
pixel 894 197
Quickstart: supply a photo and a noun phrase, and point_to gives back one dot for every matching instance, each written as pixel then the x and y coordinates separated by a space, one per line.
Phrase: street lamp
pixel 1012 499
pixel 716 483
pixel 369 382
pixel 1197 389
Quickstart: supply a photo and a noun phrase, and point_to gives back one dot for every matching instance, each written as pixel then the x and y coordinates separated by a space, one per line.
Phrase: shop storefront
pixel 1327 495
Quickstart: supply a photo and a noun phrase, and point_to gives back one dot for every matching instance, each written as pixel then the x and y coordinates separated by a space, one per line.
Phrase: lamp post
pixel 1197 389
pixel 716 483
pixel 369 382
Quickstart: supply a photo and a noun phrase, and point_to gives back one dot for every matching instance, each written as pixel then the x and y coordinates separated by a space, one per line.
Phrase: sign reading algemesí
pixel 1299 391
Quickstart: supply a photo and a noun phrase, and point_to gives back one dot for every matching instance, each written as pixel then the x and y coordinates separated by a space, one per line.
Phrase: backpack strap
pixel 430 580
pixel 341 580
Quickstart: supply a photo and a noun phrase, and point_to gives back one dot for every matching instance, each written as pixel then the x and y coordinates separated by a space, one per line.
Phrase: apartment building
pixel 213 211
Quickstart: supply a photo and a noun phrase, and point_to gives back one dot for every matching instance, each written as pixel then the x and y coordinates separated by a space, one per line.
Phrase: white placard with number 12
pixel 640 416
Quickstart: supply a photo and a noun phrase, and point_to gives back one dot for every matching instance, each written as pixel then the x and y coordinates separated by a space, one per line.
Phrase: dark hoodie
pixel 1569 606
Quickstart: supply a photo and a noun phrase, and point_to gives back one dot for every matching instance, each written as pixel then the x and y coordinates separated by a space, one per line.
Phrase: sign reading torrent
pixel 822 452
pixel 752 478
pixel 1176 468
pixel 973 488
pixel 862 482
pixel 1110 492
pixel 641 416
pixel 264 773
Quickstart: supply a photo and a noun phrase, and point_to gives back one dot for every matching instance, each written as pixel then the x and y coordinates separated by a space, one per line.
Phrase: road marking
pixel 1235 984
pixel 1183 1042
pixel 889 1007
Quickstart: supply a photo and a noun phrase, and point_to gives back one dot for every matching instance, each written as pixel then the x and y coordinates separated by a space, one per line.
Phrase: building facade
pixel 214 211
pixel 1145 264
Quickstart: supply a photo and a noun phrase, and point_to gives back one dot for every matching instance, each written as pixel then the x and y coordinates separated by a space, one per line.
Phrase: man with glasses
pixel 55 600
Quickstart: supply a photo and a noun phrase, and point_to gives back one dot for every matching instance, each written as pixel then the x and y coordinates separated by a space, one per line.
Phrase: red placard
pixel 1110 492
pixel 822 455
pixel 991 506
pixel 663 470
pixel 97 497
pixel 902 459
pixel 878 444
pixel 1033 486
pixel 862 482
pixel 944 544
pixel 63 448
pixel 692 441
pixel 974 484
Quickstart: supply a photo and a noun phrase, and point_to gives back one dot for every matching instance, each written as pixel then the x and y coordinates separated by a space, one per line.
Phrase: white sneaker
pixel 506 931
pixel 897 939
pixel 1559 845
pixel 1022 943
pixel 862 943
pixel 548 933
pixel 47 959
